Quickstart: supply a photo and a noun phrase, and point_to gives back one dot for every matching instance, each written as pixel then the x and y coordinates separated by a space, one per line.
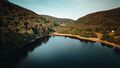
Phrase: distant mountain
pixel 19 25
pixel 104 20
pixel 57 20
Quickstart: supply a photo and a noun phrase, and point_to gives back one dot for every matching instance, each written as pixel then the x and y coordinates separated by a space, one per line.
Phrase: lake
pixel 63 52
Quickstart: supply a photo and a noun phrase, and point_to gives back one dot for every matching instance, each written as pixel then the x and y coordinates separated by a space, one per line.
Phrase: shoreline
pixel 88 39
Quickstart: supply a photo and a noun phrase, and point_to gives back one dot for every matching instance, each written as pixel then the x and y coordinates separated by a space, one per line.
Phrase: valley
pixel 49 42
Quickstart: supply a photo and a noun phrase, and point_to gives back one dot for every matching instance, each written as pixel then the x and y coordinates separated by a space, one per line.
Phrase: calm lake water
pixel 64 52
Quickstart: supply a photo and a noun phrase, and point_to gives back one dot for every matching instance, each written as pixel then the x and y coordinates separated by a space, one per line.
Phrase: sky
pixel 72 9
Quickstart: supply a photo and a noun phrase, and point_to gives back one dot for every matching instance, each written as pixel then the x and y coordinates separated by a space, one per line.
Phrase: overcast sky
pixel 73 9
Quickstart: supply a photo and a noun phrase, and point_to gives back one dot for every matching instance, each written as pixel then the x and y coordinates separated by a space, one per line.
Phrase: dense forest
pixel 19 25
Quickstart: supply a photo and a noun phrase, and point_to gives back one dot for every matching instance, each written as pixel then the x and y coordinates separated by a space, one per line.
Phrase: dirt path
pixel 89 39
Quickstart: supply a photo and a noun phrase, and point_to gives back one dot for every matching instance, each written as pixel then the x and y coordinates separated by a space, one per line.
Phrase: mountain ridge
pixel 104 19
pixel 57 20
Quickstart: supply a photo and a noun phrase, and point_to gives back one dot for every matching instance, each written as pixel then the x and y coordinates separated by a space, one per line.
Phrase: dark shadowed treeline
pixel 9 57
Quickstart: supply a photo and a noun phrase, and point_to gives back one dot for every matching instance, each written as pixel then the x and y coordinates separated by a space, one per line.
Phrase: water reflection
pixel 117 50
pixel 86 41
pixel 10 60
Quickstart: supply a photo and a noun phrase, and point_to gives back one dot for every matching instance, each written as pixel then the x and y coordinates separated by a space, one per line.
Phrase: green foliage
pixel 107 37
pixel 56 24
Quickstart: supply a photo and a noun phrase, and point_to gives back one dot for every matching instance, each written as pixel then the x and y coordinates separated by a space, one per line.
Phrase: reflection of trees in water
pixel 116 50
pixel 86 41
pixel 10 60
pixel 107 45
pixel 36 43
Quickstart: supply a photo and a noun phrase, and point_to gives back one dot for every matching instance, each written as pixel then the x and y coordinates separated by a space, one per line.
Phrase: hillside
pixel 19 25
pixel 105 20
pixel 57 20
pixel 104 25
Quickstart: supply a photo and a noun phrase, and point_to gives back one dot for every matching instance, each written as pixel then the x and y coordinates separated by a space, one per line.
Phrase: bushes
pixel 35 30
pixel 107 37
pixel 117 40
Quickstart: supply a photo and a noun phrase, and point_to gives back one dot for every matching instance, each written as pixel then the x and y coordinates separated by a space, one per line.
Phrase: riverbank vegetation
pixel 103 25
pixel 88 33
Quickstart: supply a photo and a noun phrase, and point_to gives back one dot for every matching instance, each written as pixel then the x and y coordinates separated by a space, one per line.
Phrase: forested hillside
pixel 104 25
pixel 19 25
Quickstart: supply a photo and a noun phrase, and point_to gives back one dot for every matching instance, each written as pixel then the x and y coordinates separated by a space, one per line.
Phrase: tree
pixel 26 26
